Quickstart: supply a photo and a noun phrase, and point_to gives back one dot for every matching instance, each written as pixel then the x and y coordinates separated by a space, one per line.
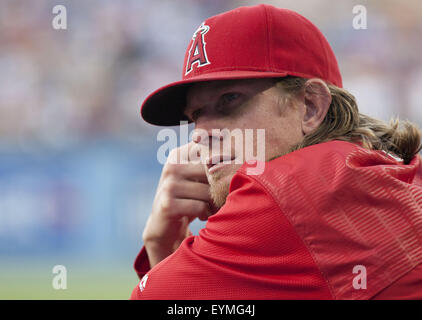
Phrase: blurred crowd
pixel 61 87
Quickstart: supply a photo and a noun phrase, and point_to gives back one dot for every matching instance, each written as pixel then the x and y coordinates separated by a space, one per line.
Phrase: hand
pixel 182 195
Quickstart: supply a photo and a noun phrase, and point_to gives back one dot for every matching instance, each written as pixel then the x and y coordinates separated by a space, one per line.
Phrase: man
pixel 336 211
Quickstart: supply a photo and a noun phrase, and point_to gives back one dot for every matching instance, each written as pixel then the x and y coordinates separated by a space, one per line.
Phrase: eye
pixel 229 97
pixel 228 102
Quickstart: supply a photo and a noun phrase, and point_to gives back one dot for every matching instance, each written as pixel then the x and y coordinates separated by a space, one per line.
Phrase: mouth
pixel 215 162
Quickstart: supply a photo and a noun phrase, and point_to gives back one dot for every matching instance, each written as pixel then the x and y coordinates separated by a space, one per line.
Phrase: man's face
pixel 238 105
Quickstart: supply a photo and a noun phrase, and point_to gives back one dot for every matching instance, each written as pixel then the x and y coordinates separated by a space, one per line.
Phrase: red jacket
pixel 309 227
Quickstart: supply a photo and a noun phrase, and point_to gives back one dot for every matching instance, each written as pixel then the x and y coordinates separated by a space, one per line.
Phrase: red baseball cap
pixel 248 42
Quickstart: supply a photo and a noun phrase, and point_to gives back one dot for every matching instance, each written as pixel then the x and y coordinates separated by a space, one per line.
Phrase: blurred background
pixel 78 166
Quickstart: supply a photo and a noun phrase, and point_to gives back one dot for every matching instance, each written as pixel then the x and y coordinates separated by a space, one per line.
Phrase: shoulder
pixel 303 159
pixel 326 163
pixel 305 164
pixel 346 198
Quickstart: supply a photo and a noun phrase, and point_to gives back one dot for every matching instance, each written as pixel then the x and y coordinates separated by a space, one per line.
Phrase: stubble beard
pixel 219 187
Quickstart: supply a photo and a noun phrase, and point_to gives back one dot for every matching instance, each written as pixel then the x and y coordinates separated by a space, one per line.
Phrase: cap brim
pixel 164 107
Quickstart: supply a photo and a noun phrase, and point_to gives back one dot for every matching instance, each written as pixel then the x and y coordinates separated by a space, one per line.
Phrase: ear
pixel 317 99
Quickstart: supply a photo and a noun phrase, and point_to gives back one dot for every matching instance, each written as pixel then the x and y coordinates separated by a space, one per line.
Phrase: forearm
pixel 157 252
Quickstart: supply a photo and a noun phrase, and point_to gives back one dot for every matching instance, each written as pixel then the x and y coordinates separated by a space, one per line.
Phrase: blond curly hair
pixel 344 122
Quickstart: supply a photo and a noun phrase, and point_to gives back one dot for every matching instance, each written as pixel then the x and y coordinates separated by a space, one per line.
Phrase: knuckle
pixel 173 153
pixel 174 156
pixel 166 204
pixel 170 170
pixel 170 187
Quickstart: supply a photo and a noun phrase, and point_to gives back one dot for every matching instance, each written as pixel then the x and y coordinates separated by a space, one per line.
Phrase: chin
pixel 220 185
pixel 219 191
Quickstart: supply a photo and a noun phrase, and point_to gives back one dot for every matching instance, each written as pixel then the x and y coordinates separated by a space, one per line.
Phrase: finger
pixel 192 172
pixel 190 190
pixel 178 208
pixel 181 154
pixel 195 172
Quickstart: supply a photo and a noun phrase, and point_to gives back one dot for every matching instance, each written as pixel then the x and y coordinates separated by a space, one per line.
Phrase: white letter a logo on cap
pixel 197 53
